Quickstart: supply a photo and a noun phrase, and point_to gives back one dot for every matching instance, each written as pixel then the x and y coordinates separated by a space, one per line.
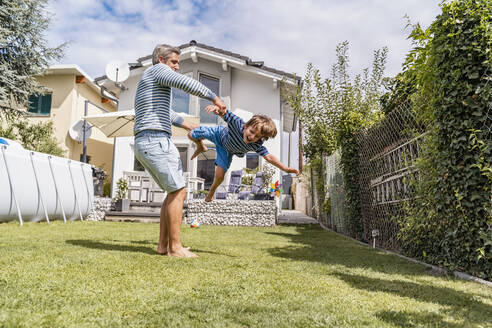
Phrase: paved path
pixel 295 217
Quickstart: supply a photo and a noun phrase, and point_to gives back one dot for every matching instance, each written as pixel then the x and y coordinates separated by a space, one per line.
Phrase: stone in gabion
pixel 100 205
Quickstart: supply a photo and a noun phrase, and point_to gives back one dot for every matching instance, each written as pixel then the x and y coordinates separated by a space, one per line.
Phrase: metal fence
pixel 387 152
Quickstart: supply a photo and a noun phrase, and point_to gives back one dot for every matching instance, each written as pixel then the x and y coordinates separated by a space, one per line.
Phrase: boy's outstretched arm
pixel 274 161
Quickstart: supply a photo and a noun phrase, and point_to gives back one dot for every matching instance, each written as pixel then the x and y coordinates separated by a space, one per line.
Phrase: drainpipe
pixel 300 147
pixel 84 149
pixel 281 135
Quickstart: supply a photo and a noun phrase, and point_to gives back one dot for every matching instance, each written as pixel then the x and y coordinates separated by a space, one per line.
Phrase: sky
pixel 285 34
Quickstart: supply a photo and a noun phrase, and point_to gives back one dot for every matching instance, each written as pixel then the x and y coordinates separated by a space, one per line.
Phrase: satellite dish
pixel 117 71
pixel 76 131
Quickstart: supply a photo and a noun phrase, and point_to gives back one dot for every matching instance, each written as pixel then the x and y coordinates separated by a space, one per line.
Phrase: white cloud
pixel 285 34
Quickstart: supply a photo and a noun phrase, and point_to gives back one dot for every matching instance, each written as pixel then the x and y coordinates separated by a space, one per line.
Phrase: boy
pixel 236 139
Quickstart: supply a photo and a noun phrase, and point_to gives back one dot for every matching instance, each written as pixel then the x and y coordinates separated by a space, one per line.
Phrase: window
pixel 181 99
pixel 206 170
pixel 252 161
pixel 213 84
pixel 183 154
pixel 40 104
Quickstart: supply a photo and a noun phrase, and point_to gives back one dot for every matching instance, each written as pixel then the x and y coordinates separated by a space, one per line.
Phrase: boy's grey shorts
pixel 160 157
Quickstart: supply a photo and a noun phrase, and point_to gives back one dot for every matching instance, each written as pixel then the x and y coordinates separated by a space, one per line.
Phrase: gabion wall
pixel 233 212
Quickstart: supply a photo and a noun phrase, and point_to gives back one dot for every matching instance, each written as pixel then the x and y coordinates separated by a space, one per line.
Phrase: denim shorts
pixel 214 133
pixel 160 157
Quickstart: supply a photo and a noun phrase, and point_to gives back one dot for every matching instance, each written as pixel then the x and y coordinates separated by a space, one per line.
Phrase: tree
pixel 332 110
pixel 324 104
pixel 24 53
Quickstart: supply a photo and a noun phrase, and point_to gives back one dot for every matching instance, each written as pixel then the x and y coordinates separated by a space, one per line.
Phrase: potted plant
pixel 121 203
pixel 268 173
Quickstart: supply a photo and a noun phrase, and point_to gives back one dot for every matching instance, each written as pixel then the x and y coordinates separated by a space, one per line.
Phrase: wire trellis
pixel 387 152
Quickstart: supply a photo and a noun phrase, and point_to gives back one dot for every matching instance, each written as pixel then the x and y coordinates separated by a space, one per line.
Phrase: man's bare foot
pixel 209 198
pixel 198 151
pixel 183 252
pixel 160 251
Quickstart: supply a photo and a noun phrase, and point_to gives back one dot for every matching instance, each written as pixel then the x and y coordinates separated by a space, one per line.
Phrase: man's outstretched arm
pixel 164 75
pixel 179 121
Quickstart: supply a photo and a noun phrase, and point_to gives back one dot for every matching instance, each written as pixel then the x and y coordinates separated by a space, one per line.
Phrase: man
pixel 153 146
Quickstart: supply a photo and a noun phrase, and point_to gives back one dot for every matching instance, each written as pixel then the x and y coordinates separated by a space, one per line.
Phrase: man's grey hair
pixel 163 50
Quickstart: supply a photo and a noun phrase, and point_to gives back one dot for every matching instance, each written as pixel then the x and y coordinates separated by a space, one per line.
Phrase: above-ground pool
pixel 36 186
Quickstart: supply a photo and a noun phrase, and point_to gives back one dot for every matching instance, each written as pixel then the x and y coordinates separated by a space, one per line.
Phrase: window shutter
pixel 33 104
pixel 46 104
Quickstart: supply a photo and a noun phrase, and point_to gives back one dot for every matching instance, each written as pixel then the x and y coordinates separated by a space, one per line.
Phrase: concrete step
pixel 133 216
pixel 140 219
pixel 152 207
pixel 147 217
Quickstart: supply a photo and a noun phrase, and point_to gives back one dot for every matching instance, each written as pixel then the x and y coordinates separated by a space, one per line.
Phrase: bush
pixel 450 221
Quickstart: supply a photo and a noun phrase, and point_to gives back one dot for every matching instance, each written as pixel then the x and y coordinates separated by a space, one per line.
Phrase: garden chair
pixel 234 186
pixel 134 184
pixel 255 190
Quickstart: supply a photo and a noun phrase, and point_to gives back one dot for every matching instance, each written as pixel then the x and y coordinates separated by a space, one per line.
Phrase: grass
pixel 103 274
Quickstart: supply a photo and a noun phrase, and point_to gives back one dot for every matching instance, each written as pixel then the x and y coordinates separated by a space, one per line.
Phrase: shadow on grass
pixel 457 305
pixel 111 247
pixel 416 319
pixel 129 248
pixel 313 244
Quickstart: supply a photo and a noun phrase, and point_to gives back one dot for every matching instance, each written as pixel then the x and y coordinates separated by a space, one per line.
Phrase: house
pixel 246 86
pixel 70 89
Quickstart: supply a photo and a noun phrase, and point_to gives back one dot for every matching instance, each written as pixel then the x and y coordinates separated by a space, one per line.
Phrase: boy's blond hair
pixel 264 124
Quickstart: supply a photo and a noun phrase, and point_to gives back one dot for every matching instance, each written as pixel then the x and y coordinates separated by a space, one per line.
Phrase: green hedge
pixel 450 221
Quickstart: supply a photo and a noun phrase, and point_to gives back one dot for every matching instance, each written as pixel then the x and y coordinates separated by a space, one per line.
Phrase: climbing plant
pixel 450 221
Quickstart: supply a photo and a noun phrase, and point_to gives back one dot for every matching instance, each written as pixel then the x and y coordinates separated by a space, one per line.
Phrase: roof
pixel 247 61
pixel 74 69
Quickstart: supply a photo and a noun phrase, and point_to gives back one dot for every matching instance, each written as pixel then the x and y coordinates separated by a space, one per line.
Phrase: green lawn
pixel 102 274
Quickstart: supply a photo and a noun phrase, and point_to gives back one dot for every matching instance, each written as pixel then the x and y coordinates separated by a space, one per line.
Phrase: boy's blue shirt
pixel 232 138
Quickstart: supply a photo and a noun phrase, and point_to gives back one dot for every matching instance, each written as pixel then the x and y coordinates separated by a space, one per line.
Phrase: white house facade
pixel 247 88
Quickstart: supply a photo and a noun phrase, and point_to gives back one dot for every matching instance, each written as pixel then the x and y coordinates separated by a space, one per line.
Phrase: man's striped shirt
pixel 233 141
pixel 153 98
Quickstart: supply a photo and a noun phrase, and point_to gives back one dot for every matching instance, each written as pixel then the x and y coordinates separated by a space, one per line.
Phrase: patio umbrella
pixel 118 124
pixel 114 124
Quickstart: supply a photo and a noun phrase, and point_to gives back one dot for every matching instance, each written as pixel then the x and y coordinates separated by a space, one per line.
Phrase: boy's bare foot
pixel 183 252
pixel 198 151
pixel 209 198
